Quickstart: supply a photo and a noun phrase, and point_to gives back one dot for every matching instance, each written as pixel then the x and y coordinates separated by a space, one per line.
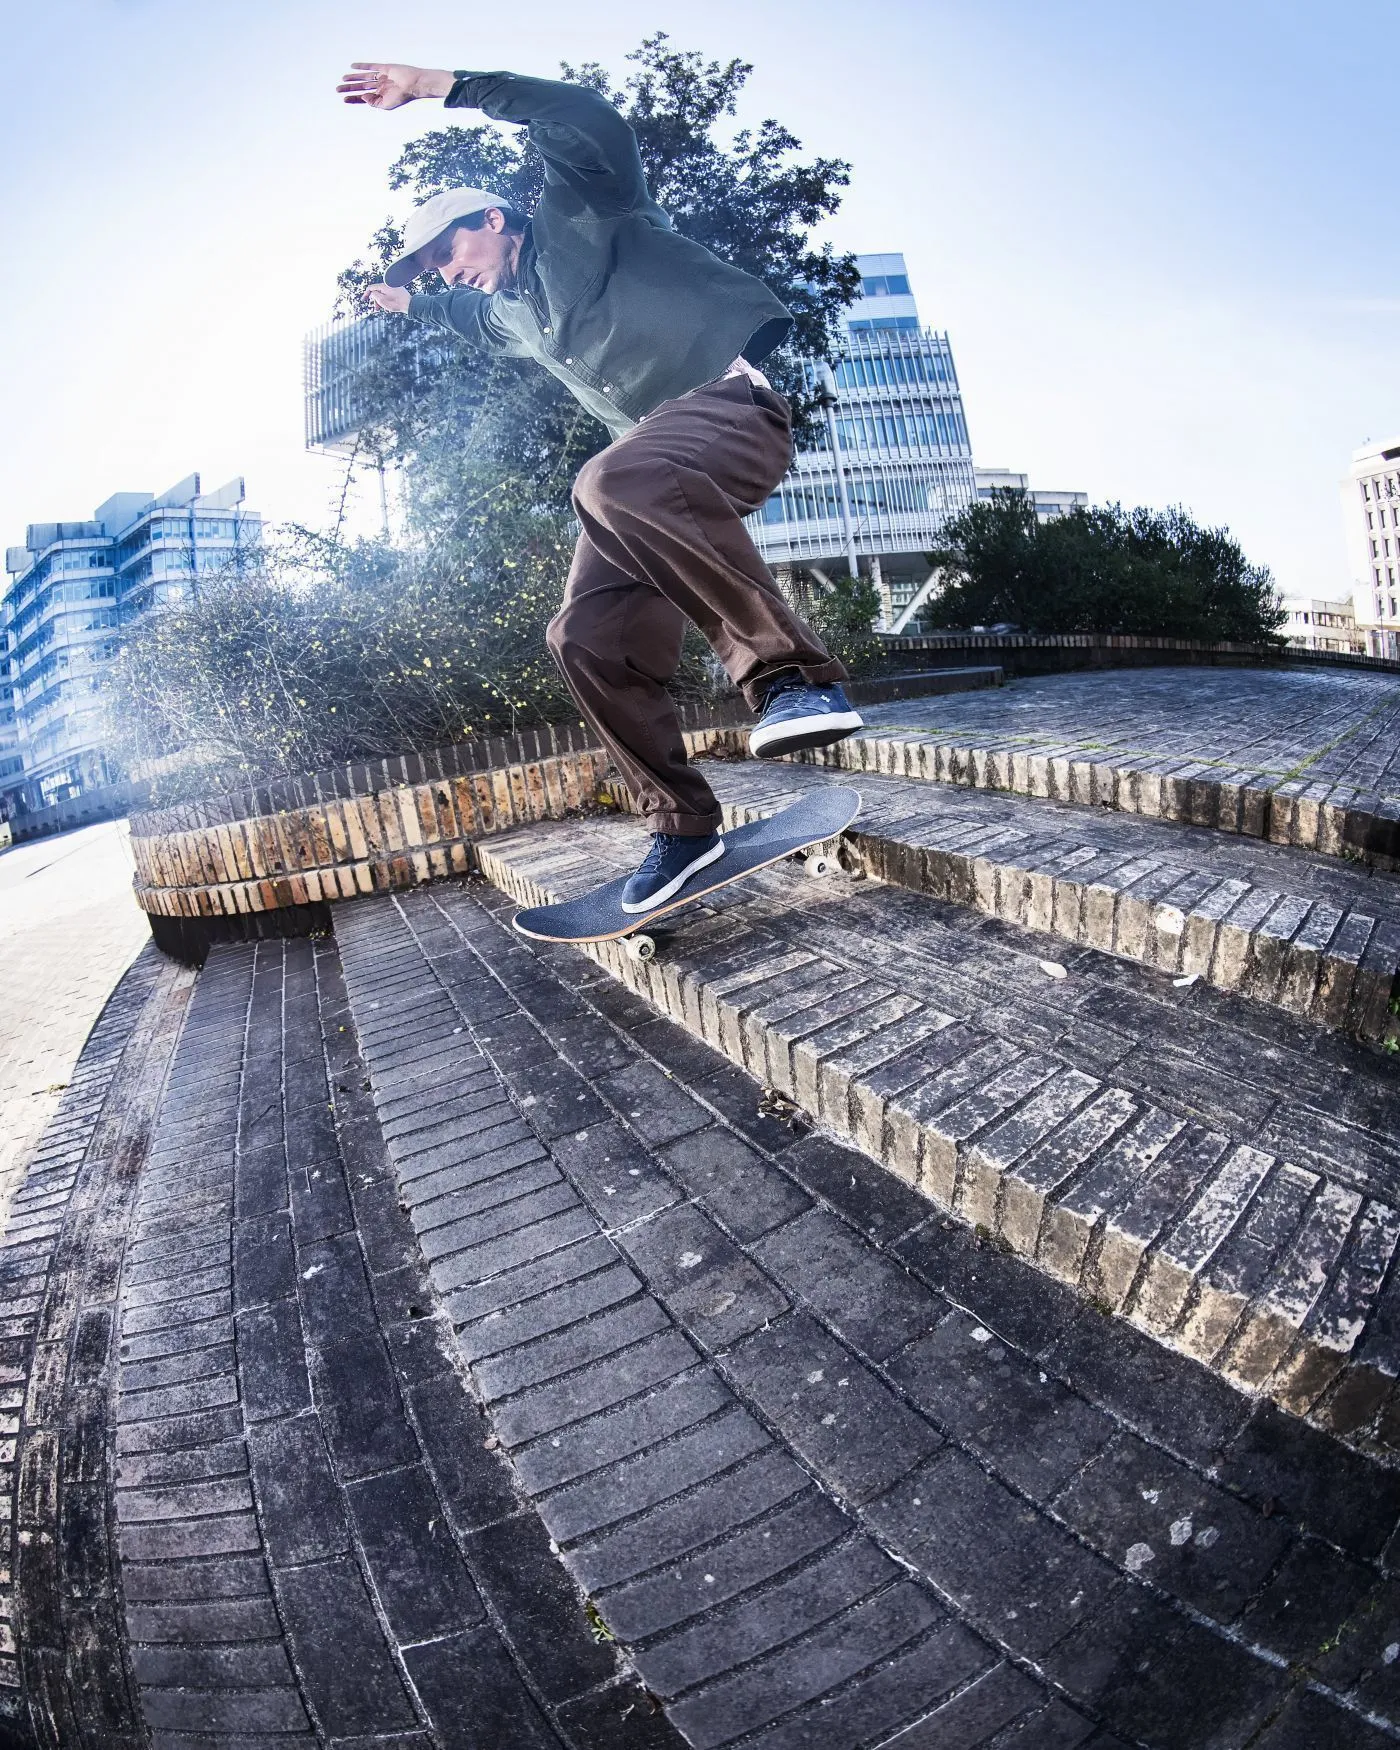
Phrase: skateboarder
pixel 661 341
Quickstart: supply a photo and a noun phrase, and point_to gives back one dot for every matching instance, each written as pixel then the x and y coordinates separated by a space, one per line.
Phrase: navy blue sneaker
pixel 666 868
pixel 796 715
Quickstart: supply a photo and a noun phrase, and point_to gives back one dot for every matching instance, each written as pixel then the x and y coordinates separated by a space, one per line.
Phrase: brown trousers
pixel 663 542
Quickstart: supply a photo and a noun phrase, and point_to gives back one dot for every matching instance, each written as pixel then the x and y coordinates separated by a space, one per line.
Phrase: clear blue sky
pixel 1162 239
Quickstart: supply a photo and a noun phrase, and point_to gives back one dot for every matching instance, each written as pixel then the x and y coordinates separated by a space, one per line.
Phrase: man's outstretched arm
pixel 583 140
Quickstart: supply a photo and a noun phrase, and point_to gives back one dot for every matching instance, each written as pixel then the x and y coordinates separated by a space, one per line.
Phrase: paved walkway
pixel 69 928
pixel 414 1338
pixel 493 1364
pixel 1329 725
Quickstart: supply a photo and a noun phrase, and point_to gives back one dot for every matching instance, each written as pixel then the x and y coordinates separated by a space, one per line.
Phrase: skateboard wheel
pixel 818 864
pixel 641 947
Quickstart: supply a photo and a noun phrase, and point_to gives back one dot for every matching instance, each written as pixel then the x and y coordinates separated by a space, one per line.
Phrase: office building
pixel 1316 624
pixel 893 461
pixel 1048 504
pixel 11 765
pixel 71 588
pixel 335 358
pixel 1371 517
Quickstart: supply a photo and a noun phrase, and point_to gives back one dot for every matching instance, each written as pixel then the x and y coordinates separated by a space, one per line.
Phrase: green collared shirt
pixel 608 298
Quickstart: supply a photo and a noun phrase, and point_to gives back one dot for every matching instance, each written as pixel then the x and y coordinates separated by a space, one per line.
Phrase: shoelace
pixel 661 843
pixel 797 686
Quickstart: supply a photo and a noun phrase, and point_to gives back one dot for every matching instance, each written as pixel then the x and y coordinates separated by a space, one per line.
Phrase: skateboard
pixel 598 916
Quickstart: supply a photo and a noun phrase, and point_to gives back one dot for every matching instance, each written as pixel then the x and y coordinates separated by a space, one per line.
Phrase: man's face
pixel 484 259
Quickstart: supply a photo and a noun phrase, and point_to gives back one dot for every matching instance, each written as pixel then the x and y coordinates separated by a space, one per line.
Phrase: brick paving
pixel 1227 1176
pixel 834 1471
pixel 423 1338
pixel 1304 932
pixel 69 928
pixel 476 1364
pixel 319 1540
pixel 1298 757
pixel 61 1666
pixel 1336 725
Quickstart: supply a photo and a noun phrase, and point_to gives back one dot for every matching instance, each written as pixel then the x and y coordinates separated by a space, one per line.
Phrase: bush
pixel 1106 569
pixel 843 616
pixel 314 652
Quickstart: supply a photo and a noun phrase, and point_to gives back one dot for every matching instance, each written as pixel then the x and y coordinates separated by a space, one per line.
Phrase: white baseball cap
pixel 428 222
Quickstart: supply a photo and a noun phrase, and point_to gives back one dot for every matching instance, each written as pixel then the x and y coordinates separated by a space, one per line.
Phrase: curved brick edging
pixel 64 1674
pixel 1032 653
pixel 337 847
pixel 1310 936
pixel 1336 795
pixel 266 862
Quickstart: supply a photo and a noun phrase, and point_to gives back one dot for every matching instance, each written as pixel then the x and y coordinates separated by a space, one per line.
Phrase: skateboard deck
pixel 598 916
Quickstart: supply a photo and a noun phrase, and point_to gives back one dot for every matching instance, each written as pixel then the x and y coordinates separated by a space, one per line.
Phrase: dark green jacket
pixel 622 309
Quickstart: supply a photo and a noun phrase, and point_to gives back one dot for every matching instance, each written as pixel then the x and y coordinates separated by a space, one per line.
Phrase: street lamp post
pixel 827 400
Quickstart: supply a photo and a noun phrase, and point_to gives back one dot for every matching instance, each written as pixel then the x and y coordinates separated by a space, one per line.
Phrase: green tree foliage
pixel 843 615
pixel 1105 569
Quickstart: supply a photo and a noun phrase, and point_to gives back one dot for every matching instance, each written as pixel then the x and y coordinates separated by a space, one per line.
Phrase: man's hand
pixel 393 298
pixel 383 85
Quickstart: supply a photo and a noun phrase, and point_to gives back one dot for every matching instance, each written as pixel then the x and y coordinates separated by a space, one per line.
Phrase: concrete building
pixel 1048 505
pixel 1316 624
pixel 72 586
pixel 1371 517
pixel 894 462
pixel 11 765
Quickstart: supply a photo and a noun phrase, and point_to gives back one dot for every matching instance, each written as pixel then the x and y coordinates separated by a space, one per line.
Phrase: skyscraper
pixel 71 587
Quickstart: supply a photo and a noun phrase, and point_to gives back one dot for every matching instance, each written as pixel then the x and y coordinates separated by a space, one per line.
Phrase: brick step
pixel 1223 1175
pixel 1301 760
pixel 1303 932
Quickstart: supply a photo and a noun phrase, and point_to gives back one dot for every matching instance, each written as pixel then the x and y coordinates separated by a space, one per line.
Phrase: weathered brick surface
pixel 302 1509
pixel 58 1359
pixel 1302 932
pixel 1146 1145
pixel 949 1398
pixel 1163 745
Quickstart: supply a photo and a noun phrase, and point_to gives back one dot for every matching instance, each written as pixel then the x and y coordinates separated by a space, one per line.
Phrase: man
pixel 661 341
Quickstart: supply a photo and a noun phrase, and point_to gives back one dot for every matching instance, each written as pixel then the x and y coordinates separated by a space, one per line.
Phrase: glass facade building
pixel 334 358
pixel 71 588
pixel 894 460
